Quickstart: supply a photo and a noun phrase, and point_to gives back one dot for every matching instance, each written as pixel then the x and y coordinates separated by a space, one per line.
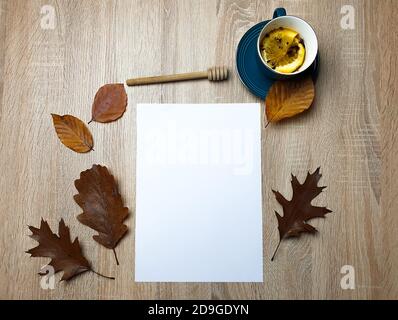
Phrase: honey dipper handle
pixel 167 78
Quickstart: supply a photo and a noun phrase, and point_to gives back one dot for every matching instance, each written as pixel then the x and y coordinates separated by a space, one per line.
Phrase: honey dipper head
pixel 217 73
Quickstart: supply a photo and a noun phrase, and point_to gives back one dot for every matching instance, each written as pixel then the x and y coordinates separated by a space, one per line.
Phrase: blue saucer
pixel 248 63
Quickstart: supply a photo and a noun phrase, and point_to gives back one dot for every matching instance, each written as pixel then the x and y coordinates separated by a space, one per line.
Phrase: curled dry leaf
pixel 287 98
pixel 102 206
pixel 299 210
pixel 65 255
pixel 73 133
pixel 110 103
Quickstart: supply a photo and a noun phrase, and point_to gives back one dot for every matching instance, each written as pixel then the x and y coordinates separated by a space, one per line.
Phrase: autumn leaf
pixel 65 255
pixel 287 98
pixel 298 211
pixel 102 206
pixel 73 133
pixel 110 103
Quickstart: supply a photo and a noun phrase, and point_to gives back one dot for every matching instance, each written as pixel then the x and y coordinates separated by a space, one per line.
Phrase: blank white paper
pixel 198 193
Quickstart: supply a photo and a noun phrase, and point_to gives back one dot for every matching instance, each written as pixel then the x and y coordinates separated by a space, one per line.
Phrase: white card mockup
pixel 198 193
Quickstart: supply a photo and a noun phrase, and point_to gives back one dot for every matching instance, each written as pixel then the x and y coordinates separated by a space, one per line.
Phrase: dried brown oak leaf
pixel 299 210
pixel 110 103
pixel 73 133
pixel 102 206
pixel 287 98
pixel 65 255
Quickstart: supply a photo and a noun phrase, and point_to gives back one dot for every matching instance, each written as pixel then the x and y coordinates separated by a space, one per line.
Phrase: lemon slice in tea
pixel 283 50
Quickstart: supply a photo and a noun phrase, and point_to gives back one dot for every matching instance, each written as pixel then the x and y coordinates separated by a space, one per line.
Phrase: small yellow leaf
pixel 287 98
pixel 73 133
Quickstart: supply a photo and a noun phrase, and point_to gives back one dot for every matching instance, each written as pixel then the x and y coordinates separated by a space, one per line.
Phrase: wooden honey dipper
pixel 212 74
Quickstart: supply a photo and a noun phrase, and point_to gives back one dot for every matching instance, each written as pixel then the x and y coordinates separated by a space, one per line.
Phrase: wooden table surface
pixel 349 132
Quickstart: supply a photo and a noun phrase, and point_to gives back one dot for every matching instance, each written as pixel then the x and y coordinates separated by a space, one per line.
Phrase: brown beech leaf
pixel 287 98
pixel 110 103
pixel 73 133
pixel 65 255
pixel 298 211
pixel 102 206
